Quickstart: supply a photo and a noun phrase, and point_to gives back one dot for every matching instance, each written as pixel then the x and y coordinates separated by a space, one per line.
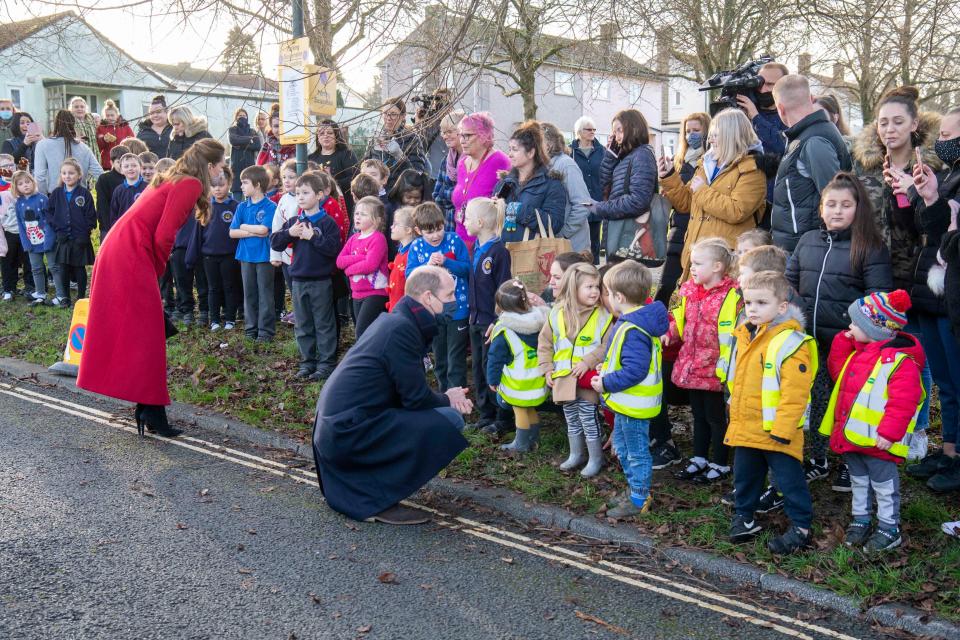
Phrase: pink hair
pixel 482 124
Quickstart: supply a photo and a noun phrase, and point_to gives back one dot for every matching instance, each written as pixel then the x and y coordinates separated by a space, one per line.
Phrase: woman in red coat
pixel 111 130
pixel 124 351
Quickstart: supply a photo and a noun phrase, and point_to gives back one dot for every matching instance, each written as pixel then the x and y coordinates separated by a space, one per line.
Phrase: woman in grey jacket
pixel 575 221
pixel 52 151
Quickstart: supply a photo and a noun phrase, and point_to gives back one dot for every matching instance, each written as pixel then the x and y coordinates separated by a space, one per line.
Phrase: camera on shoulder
pixel 745 80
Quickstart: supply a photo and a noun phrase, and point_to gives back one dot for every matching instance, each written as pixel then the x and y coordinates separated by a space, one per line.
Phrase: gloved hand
pixel 393 148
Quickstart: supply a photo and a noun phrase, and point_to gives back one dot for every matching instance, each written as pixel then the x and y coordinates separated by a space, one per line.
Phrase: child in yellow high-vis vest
pixel 573 342
pixel 511 367
pixel 867 423
pixel 770 375
pixel 631 379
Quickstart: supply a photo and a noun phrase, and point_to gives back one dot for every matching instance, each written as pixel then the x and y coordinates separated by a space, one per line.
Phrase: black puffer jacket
pixel 679 220
pixel 197 130
pixel 158 143
pixel 822 275
pixel 932 222
pixel 950 250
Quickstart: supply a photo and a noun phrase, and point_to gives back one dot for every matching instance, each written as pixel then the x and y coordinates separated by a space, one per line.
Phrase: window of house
pixel 676 98
pixel 16 95
pixel 93 105
pixel 600 89
pixel 636 90
pixel 563 83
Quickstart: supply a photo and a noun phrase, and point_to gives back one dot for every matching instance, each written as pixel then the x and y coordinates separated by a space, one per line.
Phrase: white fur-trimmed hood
pixel 525 323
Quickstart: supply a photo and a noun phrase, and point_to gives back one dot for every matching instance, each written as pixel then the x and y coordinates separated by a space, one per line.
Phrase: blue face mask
pixel 6 114
pixel 695 140
pixel 446 314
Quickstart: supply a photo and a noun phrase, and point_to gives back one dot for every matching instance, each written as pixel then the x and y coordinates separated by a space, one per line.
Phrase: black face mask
pixel 242 122
pixel 765 101
pixel 948 150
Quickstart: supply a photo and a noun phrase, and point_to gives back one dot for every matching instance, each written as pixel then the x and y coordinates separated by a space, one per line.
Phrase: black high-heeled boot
pixel 138 416
pixel 154 418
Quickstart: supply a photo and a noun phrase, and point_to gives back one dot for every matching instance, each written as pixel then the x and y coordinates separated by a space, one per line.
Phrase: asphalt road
pixel 107 535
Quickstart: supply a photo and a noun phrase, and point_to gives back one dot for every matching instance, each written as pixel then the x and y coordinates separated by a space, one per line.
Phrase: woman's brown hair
pixel 553 140
pixel 831 105
pixel 194 163
pixel 907 97
pixel 64 126
pixel 636 133
pixel 864 235
pixel 529 136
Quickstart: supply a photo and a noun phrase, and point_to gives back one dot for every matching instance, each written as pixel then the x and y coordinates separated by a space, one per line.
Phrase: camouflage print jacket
pixel 898 226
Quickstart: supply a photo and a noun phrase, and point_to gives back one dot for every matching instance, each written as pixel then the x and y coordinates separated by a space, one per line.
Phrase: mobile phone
pixel 919 152
pixel 33 129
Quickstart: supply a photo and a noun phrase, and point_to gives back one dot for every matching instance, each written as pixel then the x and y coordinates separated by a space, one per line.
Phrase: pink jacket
pixel 476 184
pixel 364 261
pixel 905 379
pixel 696 364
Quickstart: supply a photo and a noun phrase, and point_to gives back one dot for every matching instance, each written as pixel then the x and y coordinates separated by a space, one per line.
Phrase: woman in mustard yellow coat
pixel 727 194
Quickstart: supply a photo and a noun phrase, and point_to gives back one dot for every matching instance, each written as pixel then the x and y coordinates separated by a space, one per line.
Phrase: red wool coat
pixel 124 350
pixel 902 403
pixel 696 364
pixel 120 130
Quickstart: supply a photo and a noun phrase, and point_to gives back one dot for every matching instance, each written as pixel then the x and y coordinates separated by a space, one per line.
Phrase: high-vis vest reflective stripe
pixel 642 400
pixel 868 407
pixel 781 346
pixel 521 384
pixel 726 323
pixel 567 353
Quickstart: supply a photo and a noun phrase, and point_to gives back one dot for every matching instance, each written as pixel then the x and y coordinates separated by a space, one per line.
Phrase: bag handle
pixel 544 232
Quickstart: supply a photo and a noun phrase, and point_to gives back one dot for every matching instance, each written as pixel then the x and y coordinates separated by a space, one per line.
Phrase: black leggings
pixel 11 264
pixel 366 310
pixel 709 425
pixel 70 273
pixel 223 273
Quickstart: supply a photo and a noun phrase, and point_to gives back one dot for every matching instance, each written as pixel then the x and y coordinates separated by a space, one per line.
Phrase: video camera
pixel 744 80
pixel 431 104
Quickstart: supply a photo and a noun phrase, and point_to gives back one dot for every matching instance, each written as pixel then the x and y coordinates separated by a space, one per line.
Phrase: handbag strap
pixel 544 233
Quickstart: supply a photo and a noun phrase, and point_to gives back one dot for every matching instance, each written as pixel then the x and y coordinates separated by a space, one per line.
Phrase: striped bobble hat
pixel 881 315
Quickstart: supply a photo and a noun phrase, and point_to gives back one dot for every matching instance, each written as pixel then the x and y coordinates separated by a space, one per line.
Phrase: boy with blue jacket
pixel 631 380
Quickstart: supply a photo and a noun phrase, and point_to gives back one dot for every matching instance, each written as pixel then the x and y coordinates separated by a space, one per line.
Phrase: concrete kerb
pixel 513 505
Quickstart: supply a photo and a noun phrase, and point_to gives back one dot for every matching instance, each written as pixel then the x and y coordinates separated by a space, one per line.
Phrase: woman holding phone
pixel 396 145
pixel 26 133
pixel 884 156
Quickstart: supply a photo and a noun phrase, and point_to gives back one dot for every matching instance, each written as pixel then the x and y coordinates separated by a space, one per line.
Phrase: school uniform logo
pixel 227 216
pixel 261 214
pixel 80 200
pixel 487 265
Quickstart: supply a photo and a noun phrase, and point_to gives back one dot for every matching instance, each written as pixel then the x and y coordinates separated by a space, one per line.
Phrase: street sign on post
pixel 323 90
pixel 294 91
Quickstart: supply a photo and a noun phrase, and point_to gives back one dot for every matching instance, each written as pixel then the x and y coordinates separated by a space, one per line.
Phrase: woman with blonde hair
pixel 124 350
pixel 187 129
pixel 727 193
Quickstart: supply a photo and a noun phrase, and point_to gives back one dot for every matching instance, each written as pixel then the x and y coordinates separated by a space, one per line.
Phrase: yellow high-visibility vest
pixel 781 346
pixel 868 407
pixel 521 384
pixel 643 400
pixel 566 352
pixel 726 323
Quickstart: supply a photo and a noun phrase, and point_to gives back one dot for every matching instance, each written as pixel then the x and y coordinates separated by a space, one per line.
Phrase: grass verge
pixel 254 383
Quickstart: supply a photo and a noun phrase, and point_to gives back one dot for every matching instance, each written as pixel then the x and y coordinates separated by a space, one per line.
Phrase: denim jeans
pixel 926 376
pixel 943 354
pixel 39 271
pixel 631 440
pixel 750 480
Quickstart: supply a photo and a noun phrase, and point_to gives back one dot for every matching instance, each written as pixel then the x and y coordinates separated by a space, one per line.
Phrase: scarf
pixel 452 159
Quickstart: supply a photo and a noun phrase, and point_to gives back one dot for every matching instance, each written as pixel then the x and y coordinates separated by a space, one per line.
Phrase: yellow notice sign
pixel 322 86
pixel 295 56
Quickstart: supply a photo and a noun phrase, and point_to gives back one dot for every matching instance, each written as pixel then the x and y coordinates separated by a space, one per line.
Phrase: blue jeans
pixel 943 355
pixel 631 440
pixel 750 480
pixel 926 377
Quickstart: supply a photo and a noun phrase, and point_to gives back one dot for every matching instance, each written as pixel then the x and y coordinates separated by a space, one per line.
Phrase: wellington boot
pixel 578 453
pixel 595 447
pixel 524 440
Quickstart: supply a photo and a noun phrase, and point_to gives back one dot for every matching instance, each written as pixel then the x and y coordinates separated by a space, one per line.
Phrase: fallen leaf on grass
pixel 182 526
pixel 195 378
pixel 245 572
pixel 316 599
pixel 387 577
pixel 602 623
pixel 365 628
pixel 507 560
pixel 267 489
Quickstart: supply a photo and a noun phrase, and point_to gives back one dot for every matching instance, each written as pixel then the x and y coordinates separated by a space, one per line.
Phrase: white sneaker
pixel 7 296
pixel 215 326
pixel 228 326
pixel 918 446
pixel 951 528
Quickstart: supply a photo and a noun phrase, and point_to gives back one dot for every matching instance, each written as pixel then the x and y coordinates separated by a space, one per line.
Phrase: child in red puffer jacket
pixel 870 427
pixel 707 315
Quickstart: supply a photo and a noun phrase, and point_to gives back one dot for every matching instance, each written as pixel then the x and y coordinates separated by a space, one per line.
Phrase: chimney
pixel 662 48
pixel 838 73
pixel 608 36
pixel 804 64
